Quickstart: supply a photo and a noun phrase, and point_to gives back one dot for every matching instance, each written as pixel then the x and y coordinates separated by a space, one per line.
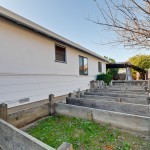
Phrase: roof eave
pixel 39 29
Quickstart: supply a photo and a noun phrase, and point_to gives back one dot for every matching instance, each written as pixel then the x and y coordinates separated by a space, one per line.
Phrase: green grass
pixel 85 135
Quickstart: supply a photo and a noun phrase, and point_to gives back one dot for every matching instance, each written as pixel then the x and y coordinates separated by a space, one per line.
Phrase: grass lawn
pixel 85 135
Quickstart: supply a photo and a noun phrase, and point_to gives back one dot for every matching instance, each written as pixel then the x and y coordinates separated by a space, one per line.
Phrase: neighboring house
pixel 35 62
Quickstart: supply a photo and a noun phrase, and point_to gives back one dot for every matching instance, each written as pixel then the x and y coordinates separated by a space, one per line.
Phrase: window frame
pixel 100 69
pixel 85 74
pixel 58 45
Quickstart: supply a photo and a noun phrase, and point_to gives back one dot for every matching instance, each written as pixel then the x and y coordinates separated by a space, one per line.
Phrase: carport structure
pixel 128 67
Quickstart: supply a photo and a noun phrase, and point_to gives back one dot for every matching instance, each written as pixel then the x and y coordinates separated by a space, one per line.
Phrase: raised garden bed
pixel 85 135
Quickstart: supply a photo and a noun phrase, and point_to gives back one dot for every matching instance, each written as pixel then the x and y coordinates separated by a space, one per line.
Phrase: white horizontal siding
pixel 13 88
pixel 28 68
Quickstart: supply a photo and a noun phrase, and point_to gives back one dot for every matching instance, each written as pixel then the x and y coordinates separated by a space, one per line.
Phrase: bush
pixel 105 77
pixel 113 72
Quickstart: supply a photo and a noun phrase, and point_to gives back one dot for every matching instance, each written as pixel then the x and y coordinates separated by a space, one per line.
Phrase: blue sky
pixel 67 18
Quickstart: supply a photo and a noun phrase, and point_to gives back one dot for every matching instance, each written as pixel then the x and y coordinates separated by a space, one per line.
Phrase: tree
pixel 112 71
pixel 142 61
pixel 129 19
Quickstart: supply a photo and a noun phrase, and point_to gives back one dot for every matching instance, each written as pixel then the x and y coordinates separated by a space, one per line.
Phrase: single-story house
pixel 36 62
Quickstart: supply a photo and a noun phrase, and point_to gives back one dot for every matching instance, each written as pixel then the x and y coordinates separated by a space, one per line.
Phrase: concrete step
pixel 116 99
pixel 128 108
pixel 117 94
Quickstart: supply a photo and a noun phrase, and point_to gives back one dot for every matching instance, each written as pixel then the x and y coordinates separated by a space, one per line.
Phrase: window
pixel 60 53
pixel 83 65
pixel 99 67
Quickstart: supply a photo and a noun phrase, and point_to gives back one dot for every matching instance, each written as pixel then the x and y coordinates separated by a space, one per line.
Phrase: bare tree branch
pixel 141 8
pixel 129 19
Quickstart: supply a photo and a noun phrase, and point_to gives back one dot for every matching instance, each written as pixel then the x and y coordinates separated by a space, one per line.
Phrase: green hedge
pixel 105 77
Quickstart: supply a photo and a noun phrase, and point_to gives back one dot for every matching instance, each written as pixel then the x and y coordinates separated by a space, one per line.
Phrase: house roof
pixel 41 30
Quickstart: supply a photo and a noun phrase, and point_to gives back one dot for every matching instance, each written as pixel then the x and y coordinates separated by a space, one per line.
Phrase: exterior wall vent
pixel 24 100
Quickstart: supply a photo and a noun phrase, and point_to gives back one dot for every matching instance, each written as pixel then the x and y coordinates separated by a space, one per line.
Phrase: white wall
pixel 28 67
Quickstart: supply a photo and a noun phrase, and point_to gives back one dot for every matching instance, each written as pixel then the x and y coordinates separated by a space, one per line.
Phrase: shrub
pixel 113 72
pixel 105 77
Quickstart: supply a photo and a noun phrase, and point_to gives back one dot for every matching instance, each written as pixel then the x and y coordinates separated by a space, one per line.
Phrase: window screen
pixel 60 53
pixel 99 67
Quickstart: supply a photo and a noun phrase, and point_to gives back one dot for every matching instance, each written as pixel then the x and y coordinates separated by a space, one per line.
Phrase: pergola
pixel 128 67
